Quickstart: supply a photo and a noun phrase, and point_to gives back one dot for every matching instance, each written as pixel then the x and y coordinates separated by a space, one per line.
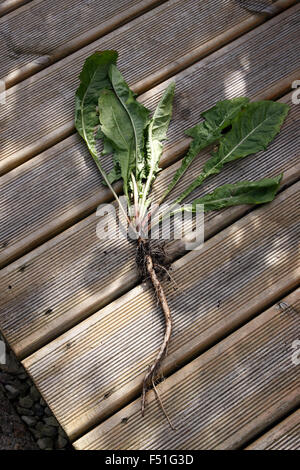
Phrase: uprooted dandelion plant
pixel 107 109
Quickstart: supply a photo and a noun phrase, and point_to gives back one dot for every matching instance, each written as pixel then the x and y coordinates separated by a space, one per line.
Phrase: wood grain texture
pixel 65 178
pixel 43 31
pixel 9 5
pixel 39 111
pixel 74 274
pixel 238 272
pixel 284 436
pixel 221 399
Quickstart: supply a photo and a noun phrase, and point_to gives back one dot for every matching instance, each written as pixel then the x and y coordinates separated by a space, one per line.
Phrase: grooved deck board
pixel 51 29
pixel 73 309
pixel 39 111
pixel 237 273
pixel 284 436
pixel 9 5
pixel 221 399
pixel 74 274
pixel 42 205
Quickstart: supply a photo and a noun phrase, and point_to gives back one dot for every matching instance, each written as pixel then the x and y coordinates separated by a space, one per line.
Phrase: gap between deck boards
pixel 42 20
pixel 31 141
pixel 250 276
pixel 221 399
pixel 76 189
pixel 284 436
pixel 52 288
pixel 291 180
pixel 67 47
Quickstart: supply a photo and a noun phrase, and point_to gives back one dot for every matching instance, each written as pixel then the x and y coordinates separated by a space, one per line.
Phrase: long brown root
pixel 151 373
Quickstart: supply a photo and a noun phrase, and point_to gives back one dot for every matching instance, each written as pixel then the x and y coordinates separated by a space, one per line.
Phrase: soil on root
pixel 160 259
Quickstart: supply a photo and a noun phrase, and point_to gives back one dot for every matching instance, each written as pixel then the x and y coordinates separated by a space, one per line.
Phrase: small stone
pixel 29 420
pixel 22 375
pixel 16 383
pixel 47 411
pixel 61 442
pixel 49 431
pixel 45 443
pixel 46 430
pixel 37 434
pixel 24 411
pixel 23 387
pixel 26 402
pixel 61 432
pixel 39 426
pixel 38 410
pixel 11 370
pixel 5 378
pixel 42 402
pixel 51 421
pixel 12 391
pixel 34 394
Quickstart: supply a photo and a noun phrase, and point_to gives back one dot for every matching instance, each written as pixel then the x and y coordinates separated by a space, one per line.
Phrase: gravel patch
pixel 26 422
pixel 14 434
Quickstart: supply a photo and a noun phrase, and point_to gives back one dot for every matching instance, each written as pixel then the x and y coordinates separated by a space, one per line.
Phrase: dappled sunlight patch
pixel 235 84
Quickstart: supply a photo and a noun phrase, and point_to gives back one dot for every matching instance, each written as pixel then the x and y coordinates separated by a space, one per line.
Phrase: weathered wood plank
pixel 284 436
pixel 9 5
pixel 74 274
pixel 239 272
pixel 65 178
pixel 43 31
pixel 39 111
pixel 221 399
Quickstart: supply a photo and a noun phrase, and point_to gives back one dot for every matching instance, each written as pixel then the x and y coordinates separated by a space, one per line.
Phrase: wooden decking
pixel 72 308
